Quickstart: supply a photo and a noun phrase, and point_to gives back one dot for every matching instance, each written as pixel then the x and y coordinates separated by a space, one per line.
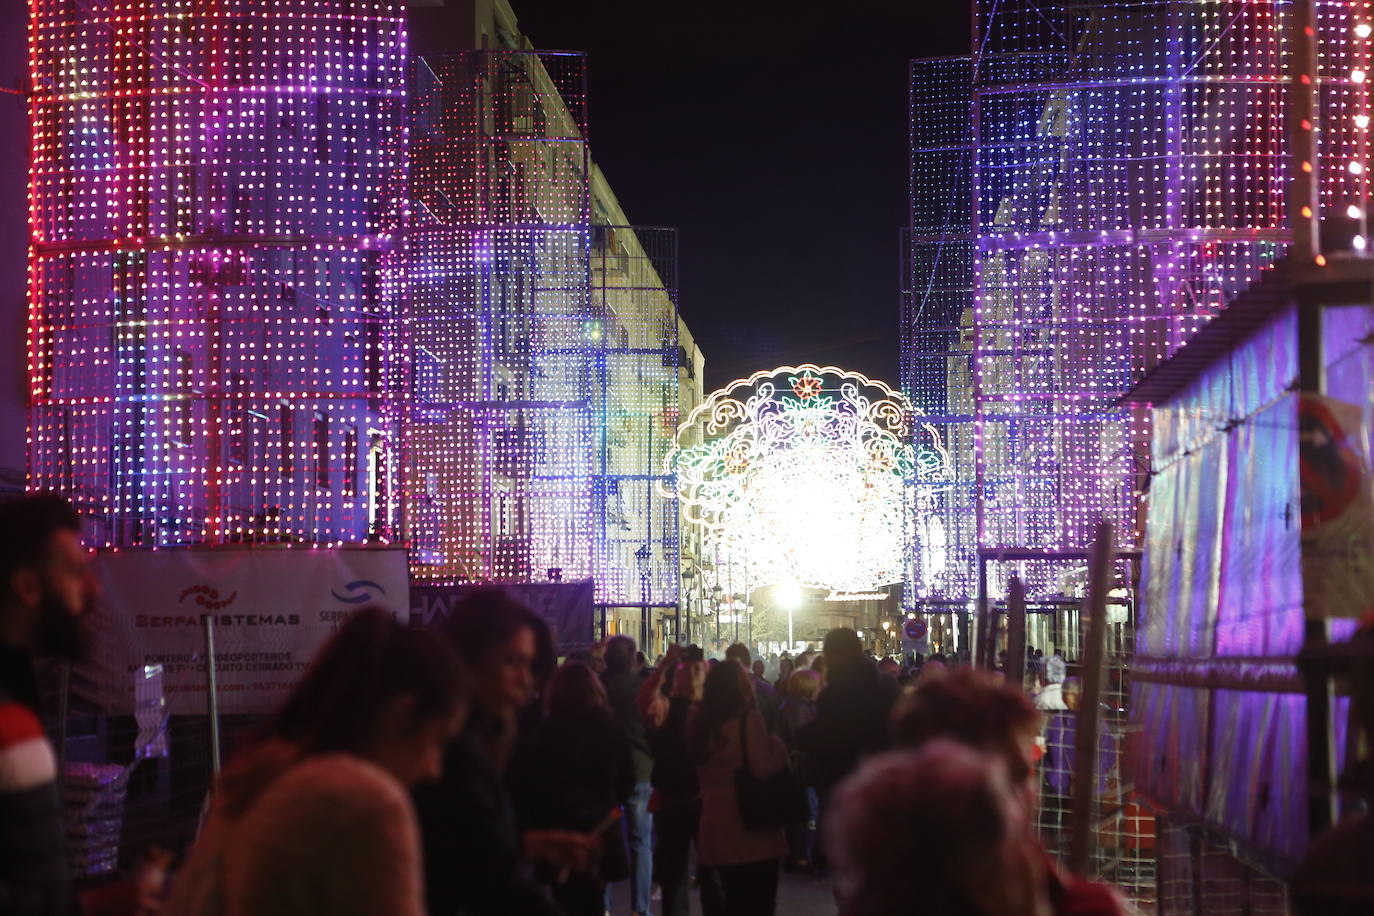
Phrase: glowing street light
pixel 789 594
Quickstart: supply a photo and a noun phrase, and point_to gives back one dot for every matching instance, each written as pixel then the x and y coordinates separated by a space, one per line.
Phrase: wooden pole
pixel 1088 726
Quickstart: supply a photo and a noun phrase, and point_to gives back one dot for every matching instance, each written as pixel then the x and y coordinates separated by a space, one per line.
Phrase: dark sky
pixel 773 135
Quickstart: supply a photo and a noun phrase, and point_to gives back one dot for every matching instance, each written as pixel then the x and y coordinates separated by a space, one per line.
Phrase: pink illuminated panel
pixel 213 193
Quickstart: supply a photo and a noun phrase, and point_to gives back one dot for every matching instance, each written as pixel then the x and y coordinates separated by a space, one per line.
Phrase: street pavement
pixel 798 895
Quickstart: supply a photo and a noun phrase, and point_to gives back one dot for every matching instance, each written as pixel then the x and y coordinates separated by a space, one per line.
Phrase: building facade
pixel 211 331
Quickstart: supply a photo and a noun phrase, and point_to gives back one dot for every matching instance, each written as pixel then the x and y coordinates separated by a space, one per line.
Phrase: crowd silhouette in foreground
pixel 461 770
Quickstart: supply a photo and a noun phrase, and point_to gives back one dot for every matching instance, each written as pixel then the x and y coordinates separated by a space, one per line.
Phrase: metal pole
pixel 211 692
pixel 1088 727
pixel 790 641
pixel 1016 633
pixel 1307 257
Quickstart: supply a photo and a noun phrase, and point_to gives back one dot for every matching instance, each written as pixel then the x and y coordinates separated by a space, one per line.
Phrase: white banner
pixel 272 609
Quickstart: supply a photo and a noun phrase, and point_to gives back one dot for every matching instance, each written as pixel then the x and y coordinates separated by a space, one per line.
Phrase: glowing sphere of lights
pixel 802 476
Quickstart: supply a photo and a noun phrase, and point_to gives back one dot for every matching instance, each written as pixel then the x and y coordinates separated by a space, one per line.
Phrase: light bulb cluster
pixel 1123 187
pixel 213 196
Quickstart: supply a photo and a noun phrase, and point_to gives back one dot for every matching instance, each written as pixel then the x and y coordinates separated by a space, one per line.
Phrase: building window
pixel 238 423
pixel 287 434
pixel 185 418
pixel 321 450
pixel 350 481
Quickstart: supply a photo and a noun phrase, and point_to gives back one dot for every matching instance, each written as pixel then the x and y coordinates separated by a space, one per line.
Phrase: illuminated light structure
pixel 634 280
pixel 804 476
pixel 543 335
pixel 499 429
pixel 1088 189
pixel 212 196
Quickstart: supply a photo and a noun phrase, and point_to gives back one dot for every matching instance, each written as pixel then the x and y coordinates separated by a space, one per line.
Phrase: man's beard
pixel 59 633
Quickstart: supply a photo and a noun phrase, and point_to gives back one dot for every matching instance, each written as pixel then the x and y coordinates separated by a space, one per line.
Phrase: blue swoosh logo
pixel 354 587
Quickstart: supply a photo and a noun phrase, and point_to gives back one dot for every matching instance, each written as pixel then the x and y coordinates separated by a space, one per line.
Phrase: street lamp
pixel 715 600
pixel 790 595
pixel 642 562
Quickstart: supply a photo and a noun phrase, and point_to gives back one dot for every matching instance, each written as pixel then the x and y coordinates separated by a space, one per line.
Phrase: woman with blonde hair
pixel 316 818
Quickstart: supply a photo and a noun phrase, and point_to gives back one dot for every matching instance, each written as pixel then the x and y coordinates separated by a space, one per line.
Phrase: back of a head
pixel 945 809
pixel 369 661
pixel 842 643
pixel 574 691
pixel 489 617
pixel 971 707
pixel 27 526
pixel 620 654
pixel 804 684
pixel 739 652
pixel 727 695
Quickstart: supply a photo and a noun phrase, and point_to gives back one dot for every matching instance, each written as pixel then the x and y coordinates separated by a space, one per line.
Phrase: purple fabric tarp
pixel 1222 588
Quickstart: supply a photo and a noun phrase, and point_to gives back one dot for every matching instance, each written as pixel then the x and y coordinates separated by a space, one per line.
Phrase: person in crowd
pixel 765 697
pixel 739 865
pixel 978 710
pixel 477 861
pixel 48 593
pixel 785 669
pixel 622 689
pixel 641 665
pixel 1051 695
pixel 818 665
pixel 1334 877
pixel 573 773
pixel 944 810
pixel 852 713
pixel 677 792
pixel 759 669
pixel 597 653
pixel 1058 765
pixel 797 709
pixel 890 667
pixel 315 818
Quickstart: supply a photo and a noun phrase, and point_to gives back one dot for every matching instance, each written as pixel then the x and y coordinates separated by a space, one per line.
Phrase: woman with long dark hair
pixel 740 865
pixel 315 818
pixel 477 860
pixel 574 773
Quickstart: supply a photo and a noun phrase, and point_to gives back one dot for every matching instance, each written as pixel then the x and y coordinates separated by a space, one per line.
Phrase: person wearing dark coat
pixel 478 862
pixel 574 773
pixel 677 793
pixel 852 713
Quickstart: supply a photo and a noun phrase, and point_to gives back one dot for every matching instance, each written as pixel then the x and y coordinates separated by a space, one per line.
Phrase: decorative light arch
pixel 807 475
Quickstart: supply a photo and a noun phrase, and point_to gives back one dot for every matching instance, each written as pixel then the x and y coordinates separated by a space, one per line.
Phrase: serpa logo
pixel 358 591
pixel 207 597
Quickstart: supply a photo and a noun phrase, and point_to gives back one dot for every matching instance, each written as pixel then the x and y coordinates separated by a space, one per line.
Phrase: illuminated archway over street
pixel 805 476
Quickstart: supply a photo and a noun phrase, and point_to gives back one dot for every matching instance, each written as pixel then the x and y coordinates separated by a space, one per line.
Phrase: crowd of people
pixel 461 769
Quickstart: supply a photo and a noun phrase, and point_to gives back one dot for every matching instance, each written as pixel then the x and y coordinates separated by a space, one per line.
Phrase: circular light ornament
pixel 805 476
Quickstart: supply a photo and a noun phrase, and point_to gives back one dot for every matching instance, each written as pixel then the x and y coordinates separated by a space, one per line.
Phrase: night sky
pixel 773 136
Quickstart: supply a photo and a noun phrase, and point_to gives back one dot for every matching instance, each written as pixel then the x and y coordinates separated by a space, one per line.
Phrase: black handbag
pixel 778 801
